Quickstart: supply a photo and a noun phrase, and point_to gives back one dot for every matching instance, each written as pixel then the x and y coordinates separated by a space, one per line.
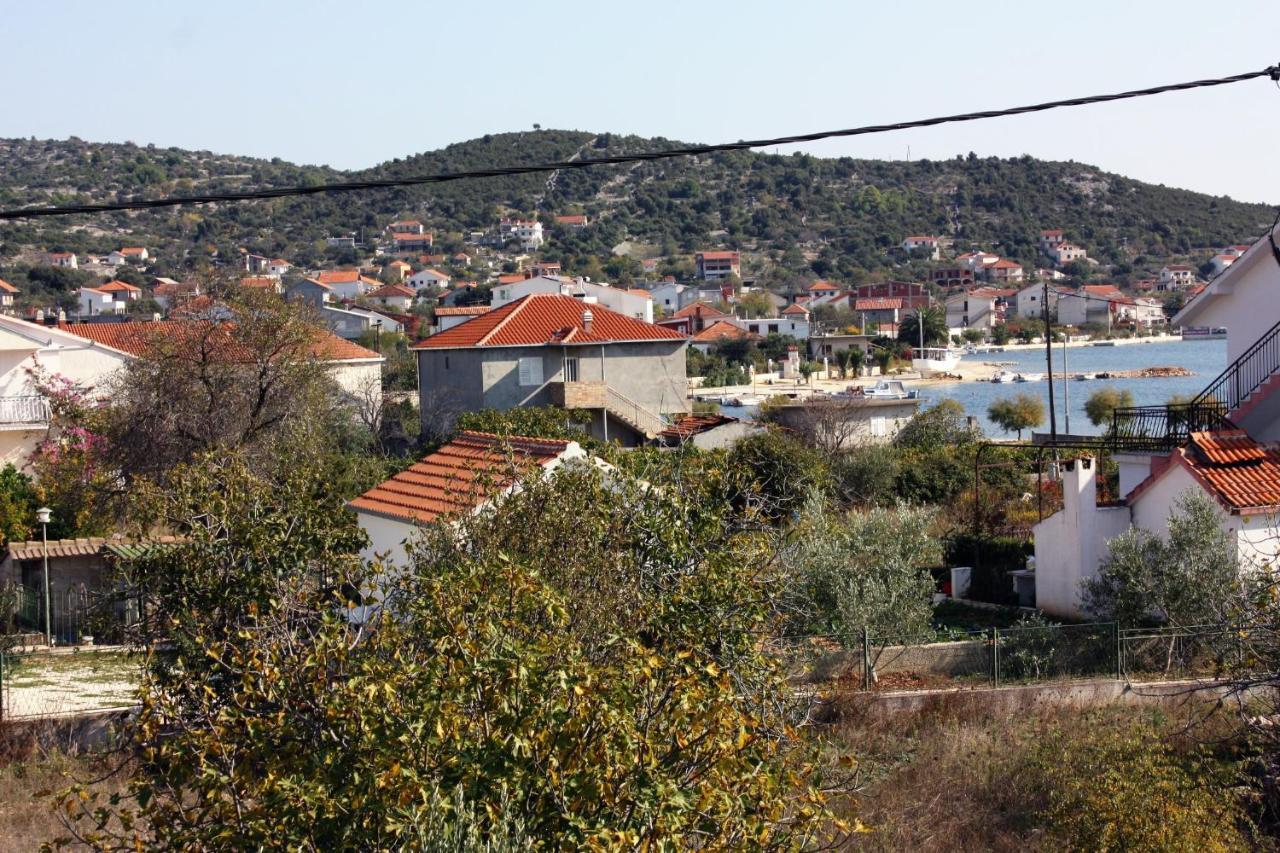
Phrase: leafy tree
pixel 1102 404
pixel 866 476
pixel 1192 577
pixel 580 666
pixel 539 421
pixel 773 474
pixel 942 424
pixel 935 327
pixel 17 504
pixel 1022 411
pixel 863 570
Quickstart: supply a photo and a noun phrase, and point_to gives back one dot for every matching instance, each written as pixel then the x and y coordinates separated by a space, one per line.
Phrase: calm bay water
pixel 1205 359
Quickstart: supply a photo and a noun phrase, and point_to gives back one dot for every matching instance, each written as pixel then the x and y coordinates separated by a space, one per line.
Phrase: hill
pixel 795 216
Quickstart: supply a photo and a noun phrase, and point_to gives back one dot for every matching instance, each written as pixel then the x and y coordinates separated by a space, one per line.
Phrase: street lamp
pixel 44 515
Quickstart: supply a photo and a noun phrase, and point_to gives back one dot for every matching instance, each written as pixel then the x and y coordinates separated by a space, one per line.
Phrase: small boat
pixel 1085 377
pixel 1003 376
pixel 743 400
pixel 929 360
pixel 1028 377
pixel 890 389
pixel 1104 343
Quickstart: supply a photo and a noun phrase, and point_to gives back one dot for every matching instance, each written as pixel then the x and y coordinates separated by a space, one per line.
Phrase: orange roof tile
pixel 391 290
pixel 796 309
pixel 461 311
pixel 1239 473
pixel 572 219
pixel 136 337
pixel 7 287
pixel 265 282
pixel 691 425
pixel 117 287
pixel 822 286
pixel 718 256
pixel 338 277
pixel 698 309
pixel 877 303
pixel 722 331
pixel 460 476
pixel 546 319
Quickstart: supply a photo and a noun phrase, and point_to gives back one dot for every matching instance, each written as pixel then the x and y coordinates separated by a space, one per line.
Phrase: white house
pixel 63 259
pixel 980 308
pixel 94 301
pixel 1030 301
pixel 427 279
pixel 713 266
pixel 347 284
pixel 632 303
pixel 396 296
pixel 446 484
pixel 671 296
pixel 930 244
pixel 1176 277
pixel 278 266
pixel 526 232
pixel 1065 253
pixel 1221 444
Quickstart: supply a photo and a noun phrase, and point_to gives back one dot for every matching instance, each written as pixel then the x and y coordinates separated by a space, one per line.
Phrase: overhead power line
pixel 1272 71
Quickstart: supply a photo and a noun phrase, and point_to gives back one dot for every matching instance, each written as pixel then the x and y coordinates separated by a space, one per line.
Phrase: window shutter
pixel 531 371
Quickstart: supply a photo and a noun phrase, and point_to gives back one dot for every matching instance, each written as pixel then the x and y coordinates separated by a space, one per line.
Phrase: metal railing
pixel 642 418
pixel 32 409
pixel 1160 429
pixel 1246 374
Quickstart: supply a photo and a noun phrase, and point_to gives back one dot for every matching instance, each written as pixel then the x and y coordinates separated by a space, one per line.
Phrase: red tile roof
pixel 1239 473
pixel 796 309
pixel 460 476
pixel 691 425
pixel 338 277
pixel 7 287
pixel 877 304
pixel 1106 291
pixel 461 311
pixel 136 337
pixel 698 309
pixel 264 282
pixel 390 290
pixel 132 250
pixel 117 287
pixel 572 219
pixel 822 286
pixel 722 331
pixel 718 256
pixel 545 319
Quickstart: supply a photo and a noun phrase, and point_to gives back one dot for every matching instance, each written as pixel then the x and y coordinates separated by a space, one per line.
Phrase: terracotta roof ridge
pixel 516 307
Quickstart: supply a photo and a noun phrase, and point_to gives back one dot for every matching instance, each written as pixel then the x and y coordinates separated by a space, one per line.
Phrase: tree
pixel 935 327
pixel 943 424
pixel 212 383
pixel 756 303
pixel 1102 404
pixel 863 570
pixel 1022 411
pixel 1192 577
pixel 773 474
pixel 581 666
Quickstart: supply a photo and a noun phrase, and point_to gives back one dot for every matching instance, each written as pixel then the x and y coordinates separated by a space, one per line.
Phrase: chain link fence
pixel 67 682
pixel 1027 654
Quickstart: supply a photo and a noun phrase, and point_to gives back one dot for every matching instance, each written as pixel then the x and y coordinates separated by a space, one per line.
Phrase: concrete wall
pixel 1071 543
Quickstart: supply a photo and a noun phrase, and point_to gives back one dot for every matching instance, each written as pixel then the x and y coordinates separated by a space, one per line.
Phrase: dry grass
pixel 28 817
pixel 939 781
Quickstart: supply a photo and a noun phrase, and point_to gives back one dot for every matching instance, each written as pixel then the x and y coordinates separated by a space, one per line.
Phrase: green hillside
pixel 795 216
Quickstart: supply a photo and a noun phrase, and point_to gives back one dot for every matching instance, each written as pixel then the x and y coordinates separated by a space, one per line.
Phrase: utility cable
pixel 1273 72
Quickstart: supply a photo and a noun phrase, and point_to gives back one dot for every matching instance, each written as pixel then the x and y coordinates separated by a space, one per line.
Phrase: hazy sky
pixel 351 84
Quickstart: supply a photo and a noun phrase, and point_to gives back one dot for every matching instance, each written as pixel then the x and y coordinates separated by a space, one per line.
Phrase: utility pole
pixel 1066 392
pixel 1048 354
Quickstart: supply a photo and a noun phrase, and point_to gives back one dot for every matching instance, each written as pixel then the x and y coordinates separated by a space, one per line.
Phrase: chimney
pixel 587 317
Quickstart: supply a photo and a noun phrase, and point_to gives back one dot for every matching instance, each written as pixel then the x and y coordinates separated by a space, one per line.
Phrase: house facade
pixel 1221 444
pixel 713 266
pixel 549 349
pixel 632 303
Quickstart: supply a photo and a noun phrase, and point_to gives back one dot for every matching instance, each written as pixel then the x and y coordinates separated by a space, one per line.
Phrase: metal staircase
pixel 643 420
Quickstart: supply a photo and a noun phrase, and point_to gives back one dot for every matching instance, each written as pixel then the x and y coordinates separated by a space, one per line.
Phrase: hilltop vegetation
pixel 795 215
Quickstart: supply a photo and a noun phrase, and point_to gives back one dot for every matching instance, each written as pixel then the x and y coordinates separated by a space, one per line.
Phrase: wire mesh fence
pixel 1029 654
pixel 58 683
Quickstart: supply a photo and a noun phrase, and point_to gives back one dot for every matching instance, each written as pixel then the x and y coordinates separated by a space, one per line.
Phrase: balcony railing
pixel 1246 374
pixel 32 410
pixel 1161 429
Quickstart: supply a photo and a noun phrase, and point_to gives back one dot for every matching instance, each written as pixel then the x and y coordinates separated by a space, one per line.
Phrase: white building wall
pixel 1071 544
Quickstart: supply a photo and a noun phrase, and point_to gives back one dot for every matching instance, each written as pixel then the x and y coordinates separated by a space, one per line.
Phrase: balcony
pixel 24 413
pixel 579 395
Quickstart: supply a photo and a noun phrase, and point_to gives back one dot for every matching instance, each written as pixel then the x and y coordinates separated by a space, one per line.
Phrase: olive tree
pixel 1022 411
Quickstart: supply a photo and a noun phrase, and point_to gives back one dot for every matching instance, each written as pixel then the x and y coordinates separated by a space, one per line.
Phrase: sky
pixel 354 84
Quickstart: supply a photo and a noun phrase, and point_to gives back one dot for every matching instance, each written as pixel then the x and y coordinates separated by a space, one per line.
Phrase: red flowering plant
pixel 72 464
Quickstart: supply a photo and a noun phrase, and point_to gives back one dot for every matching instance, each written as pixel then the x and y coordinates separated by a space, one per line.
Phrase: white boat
pixel 747 400
pixel 1003 376
pixel 1085 377
pixel 928 360
pixel 1029 377
pixel 890 389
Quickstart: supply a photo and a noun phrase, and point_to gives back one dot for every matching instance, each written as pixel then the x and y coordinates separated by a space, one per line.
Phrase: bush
pixel 992 558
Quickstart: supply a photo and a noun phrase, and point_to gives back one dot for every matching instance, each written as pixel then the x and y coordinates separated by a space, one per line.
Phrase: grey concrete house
pixel 549 349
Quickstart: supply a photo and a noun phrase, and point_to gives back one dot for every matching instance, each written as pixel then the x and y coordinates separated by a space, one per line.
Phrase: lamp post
pixel 44 515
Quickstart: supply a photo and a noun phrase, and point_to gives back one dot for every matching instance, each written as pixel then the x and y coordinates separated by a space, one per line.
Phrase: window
pixel 879 427
pixel 530 371
pixel 570 370
pixel 446 362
